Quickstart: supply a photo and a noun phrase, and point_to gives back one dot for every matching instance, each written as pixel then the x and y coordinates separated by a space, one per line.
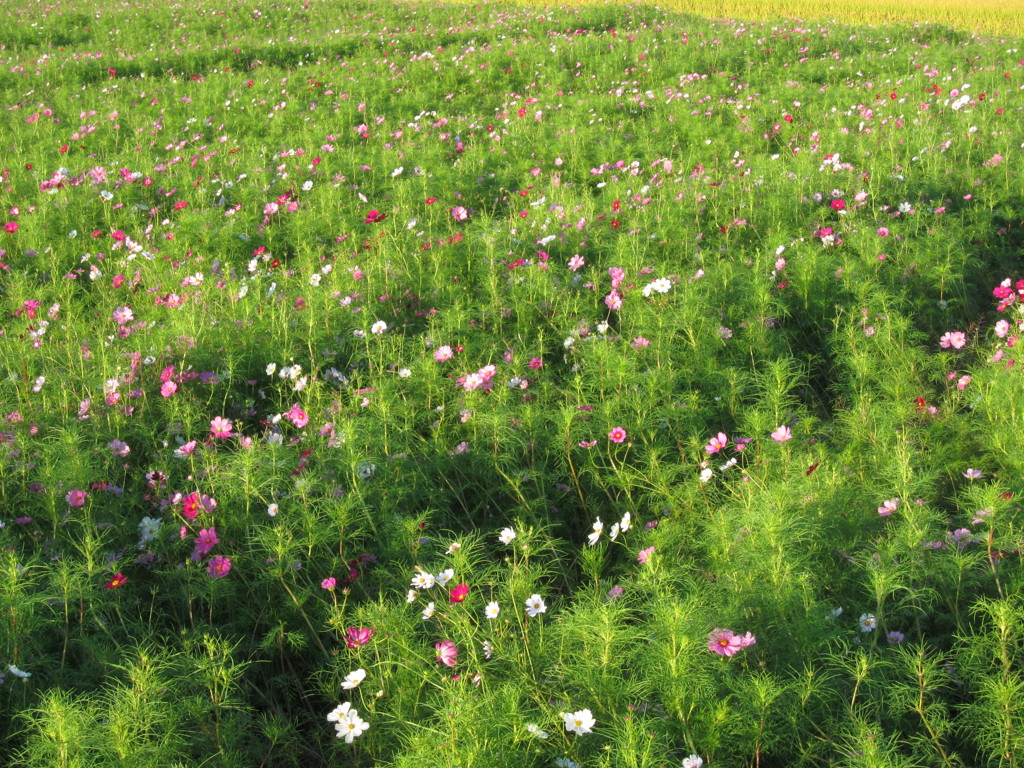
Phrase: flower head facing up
pixel 617 435
pixel 117 581
pixel 357 636
pixel 693 761
pixel 76 498
pixel 220 427
pixel 535 605
pixel 506 536
pixel 219 567
pixel 491 610
pixel 954 339
pixel 458 594
pixel 725 642
pixel 347 722
pixel 867 622
pixel 580 723
pixel 447 653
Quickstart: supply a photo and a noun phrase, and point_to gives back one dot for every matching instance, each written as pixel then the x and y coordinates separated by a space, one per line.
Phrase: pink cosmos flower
pixel 329 583
pixel 459 213
pixel 883 232
pixel 447 653
pixel 1002 328
pixel 298 416
pixel 782 434
pixel 206 541
pixel 888 507
pixel 536 364
pixel 716 443
pixel 617 435
pixel 954 339
pixel 442 354
pixel 76 497
pixel 613 300
pixel 725 642
pixel 576 262
pixel 357 636
pixel 645 555
pixel 219 567
pixel 220 427
pixel 168 388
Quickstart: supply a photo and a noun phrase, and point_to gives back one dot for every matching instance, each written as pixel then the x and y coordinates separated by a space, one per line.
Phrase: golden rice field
pixel 992 16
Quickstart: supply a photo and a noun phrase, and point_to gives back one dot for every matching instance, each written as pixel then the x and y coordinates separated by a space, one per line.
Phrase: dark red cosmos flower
pixel 117 581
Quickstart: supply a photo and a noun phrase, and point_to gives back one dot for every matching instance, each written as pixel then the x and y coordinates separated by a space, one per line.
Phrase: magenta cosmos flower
pixel 725 642
pixel 358 636
pixel 617 435
pixel 447 653
pixel 219 567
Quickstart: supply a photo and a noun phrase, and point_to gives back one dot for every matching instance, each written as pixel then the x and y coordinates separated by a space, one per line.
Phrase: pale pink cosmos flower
pixel 782 434
pixel 645 555
pixel 1002 328
pixel 442 354
pixel 888 507
pixel 576 262
pixel 459 213
pixel 123 315
pixel 220 427
pixel 954 339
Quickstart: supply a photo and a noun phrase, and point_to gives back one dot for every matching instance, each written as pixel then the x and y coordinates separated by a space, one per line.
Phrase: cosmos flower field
pixel 415 386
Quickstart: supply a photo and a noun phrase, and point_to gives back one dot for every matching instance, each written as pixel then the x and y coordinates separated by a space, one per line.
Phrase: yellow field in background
pixel 990 16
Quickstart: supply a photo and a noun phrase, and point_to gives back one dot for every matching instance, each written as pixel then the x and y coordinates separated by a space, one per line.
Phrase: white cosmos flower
pixel 428 612
pixel 423 580
pixel 593 537
pixel 491 610
pixel 580 723
pixel 351 726
pixel 352 679
pixel 535 605
pixel 693 761
pixel 378 328
pixel 445 576
pixel 339 712
pixel 507 534
pixel 626 522
pixel 534 729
